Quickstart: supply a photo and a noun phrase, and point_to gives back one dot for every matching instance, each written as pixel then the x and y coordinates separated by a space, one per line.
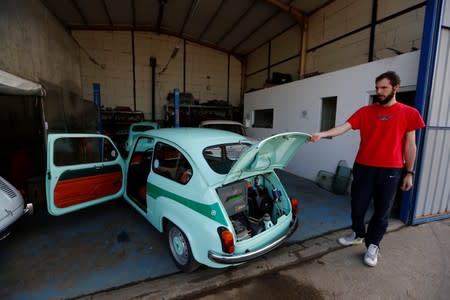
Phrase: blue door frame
pixel 428 51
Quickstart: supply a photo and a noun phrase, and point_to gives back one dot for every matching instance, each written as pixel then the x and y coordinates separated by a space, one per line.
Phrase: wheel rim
pixel 178 246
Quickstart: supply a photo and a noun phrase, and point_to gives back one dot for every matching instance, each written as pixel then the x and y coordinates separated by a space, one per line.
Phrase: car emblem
pixel 213 212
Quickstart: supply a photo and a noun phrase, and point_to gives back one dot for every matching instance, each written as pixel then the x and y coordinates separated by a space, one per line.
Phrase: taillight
pixel 226 237
pixel 294 205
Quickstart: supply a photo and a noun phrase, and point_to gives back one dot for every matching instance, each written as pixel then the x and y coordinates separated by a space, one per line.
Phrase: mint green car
pixel 135 129
pixel 213 194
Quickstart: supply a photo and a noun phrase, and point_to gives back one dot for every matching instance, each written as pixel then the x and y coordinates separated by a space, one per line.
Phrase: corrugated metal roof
pixel 233 26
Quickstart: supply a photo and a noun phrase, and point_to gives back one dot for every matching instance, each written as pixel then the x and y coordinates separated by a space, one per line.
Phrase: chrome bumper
pixel 235 259
pixel 29 209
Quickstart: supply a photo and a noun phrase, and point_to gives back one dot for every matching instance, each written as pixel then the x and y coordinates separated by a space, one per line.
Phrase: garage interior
pixel 106 63
pixel 110 245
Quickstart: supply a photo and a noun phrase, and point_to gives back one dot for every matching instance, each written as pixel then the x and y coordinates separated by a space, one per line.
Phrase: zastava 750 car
pixel 213 193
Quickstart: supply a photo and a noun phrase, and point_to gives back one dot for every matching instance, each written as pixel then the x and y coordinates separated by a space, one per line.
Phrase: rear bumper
pixel 235 259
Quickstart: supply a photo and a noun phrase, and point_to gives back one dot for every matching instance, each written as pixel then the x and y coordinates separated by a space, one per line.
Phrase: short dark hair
pixel 391 76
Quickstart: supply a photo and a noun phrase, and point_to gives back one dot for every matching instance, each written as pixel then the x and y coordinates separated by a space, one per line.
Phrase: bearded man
pixel 385 159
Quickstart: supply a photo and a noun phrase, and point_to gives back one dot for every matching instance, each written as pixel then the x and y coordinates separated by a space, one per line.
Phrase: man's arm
pixel 410 157
pixel 336 131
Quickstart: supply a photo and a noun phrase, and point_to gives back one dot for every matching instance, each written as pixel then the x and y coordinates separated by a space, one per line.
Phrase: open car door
pixel 82 170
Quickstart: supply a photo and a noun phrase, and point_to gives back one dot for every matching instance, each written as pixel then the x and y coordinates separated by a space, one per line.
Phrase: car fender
pixel 12 205
pixel 193 219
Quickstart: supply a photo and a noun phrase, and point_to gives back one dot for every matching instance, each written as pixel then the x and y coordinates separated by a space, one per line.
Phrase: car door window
pixel 138 169
pixel 83 150
pixel 82 170
pixel 169 162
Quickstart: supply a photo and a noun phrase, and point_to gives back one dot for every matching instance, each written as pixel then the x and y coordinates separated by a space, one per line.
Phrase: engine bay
pixel 253 205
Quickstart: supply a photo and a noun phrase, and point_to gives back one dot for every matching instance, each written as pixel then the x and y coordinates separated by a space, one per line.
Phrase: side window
pixel 144 144
pixel 405 97
pixel 169 162
pixel 83 150
pixel 141 159
pixel 263 118
pixel 328 118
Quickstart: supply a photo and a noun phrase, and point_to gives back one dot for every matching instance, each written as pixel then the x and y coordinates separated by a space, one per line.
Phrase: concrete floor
pixel 111 245
pixel 48 257
pixel 415 264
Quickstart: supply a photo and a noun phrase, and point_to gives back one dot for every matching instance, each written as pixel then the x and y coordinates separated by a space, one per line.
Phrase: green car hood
pixel 272 153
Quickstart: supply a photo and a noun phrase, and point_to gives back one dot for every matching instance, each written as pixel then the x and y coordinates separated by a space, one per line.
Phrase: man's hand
pixel 407 183
pixel 315 137
pixel 330 133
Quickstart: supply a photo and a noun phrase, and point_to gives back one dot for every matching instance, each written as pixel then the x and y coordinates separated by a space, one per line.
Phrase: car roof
pixel 193 137
pixel 194 140
pixel 149 123
pixel 229 122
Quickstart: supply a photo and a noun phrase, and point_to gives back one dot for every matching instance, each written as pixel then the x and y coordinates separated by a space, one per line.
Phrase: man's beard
pixel 386 100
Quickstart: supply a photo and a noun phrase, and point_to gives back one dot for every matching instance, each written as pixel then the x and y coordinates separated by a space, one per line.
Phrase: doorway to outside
pixel 408 98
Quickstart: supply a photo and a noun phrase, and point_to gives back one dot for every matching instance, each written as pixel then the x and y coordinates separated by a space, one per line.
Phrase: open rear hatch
pixel 252 194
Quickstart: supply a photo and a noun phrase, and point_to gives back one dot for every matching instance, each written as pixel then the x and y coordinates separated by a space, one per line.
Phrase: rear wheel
pixel 180 249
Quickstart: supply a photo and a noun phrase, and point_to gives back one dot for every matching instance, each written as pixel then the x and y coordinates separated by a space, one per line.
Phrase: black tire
pixel 180 249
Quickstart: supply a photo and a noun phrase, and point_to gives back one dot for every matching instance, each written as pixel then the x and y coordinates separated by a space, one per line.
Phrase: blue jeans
pixel 381 185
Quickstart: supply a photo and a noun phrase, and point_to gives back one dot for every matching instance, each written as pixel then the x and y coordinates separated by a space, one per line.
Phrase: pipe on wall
pixel 373 24
pixel 153 66
pixel 303 48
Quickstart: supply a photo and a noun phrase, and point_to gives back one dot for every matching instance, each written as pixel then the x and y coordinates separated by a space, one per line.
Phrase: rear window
pixel 222 157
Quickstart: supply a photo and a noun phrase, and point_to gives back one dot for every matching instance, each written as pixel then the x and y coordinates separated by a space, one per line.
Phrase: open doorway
pixel 407 97
pixel 23 143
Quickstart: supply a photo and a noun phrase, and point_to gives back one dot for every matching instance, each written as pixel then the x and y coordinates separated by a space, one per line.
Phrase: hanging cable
pixel 172 56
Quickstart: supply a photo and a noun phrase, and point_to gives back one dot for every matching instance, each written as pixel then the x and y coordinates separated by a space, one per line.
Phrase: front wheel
pixel 180 249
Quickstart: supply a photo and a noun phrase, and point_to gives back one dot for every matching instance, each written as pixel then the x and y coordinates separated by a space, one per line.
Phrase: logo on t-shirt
pixel 384 117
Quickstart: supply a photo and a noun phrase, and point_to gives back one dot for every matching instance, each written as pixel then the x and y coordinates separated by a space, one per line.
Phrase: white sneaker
pixel 371 256
pixel 350 239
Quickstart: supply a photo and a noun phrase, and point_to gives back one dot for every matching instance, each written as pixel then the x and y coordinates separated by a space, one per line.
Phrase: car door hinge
pixel 49 176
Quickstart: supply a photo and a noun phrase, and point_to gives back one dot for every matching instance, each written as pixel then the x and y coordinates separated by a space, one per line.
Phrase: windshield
pixel 222 157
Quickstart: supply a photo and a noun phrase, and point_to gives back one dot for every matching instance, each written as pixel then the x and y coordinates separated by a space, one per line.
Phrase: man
pixel 387 147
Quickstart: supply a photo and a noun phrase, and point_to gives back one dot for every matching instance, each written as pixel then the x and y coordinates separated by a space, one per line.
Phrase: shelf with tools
pixel 192 114
pixel 115 124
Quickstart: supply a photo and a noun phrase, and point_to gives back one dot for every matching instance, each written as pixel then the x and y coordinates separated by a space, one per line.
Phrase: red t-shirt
pixel 382 131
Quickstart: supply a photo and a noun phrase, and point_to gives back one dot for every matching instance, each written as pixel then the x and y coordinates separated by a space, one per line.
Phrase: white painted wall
pixel 34 46
pixel 206 69
pixel 106 59
pixel 297 107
